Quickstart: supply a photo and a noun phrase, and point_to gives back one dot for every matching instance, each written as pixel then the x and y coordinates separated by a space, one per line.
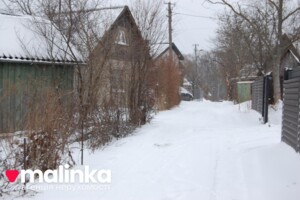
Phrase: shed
pixel 244 91
pixel 34 58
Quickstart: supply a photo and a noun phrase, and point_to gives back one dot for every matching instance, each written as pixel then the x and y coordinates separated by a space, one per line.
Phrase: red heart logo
pixel 12 175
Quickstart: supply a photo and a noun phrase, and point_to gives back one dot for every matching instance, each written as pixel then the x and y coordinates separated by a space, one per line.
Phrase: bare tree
pixel 277 15
pixel 150 17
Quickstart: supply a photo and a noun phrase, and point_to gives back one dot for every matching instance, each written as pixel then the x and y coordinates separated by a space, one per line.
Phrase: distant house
pixel 169 73
pixel 185 91
pixel 163 52
pixel 242 84
pixel 290 59
pixel 34 59
pixel 262 88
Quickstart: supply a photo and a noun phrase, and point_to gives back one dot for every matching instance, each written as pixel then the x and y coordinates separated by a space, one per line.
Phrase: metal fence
pixel 262 95
pixel 291 114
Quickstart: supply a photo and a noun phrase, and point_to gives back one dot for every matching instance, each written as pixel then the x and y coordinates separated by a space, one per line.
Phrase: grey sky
pixel 194 29
pixel 189 30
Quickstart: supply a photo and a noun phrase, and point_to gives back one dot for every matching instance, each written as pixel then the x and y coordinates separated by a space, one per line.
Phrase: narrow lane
pixel 200 150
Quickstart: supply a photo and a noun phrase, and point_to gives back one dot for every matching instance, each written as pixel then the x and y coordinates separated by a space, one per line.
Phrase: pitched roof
pixel 107 17
pixel 290 47
pixel 165 47
pixel 101 20
pixel 26 38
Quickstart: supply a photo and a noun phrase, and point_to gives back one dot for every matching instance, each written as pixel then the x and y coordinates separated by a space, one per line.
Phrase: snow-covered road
pixel 200 150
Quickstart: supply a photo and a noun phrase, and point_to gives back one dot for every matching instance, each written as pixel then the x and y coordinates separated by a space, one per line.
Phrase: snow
pixel 244 82
pixel 30 38
pixel 184 91
pixel 24 37
pixel 199 150
pixel 186 82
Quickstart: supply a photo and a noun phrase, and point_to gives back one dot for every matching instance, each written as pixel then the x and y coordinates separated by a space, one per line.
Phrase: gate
pixel 291 116
pixel 262 95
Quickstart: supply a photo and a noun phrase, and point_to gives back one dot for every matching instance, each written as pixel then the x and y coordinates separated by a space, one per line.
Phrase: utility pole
pixel 170 29
pixel 196 83
pixel 195 51
pixel 196 57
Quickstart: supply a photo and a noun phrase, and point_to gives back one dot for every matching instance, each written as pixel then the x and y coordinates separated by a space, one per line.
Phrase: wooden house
pixel 127 56
pixel 34 59
pixel 169 72
pixel 164 51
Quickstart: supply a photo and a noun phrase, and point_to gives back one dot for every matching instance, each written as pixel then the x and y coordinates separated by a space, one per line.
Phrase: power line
pixel 199 16
pixel 92 10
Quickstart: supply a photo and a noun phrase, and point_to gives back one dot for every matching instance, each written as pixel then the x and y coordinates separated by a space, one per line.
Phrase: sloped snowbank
pixel 275 168
pixel 275 173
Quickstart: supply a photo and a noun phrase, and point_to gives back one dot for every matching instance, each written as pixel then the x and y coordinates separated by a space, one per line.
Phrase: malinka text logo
pixel 62 175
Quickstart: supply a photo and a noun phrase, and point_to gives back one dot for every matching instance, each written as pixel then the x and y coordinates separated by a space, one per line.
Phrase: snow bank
pixel 275 111
pixel 275 173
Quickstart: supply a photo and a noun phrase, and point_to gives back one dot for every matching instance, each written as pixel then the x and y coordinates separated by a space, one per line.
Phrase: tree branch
pixel 291 13
pixel 274 4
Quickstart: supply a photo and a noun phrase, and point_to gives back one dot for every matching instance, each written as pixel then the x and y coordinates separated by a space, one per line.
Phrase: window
pixel 121 38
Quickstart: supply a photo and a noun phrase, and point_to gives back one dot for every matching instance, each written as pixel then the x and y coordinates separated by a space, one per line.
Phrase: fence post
pixel 266 98
pixel 24 161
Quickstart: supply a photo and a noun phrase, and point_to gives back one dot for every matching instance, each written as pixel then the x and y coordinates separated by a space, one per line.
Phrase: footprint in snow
pixel 119 144
pixel 162 145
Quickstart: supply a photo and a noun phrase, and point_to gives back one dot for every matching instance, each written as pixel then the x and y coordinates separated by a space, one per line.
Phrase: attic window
pixel 121 38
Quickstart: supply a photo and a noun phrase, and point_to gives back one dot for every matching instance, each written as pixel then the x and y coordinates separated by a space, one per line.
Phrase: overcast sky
pixel 189 30
pixel 192 26
pixel 193 23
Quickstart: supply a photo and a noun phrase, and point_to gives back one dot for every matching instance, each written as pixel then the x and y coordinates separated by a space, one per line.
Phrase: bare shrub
pixel 169 81
pixel 50 122
pixel 11 157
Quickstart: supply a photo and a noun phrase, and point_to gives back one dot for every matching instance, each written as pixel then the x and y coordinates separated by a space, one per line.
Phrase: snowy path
pixel 200 150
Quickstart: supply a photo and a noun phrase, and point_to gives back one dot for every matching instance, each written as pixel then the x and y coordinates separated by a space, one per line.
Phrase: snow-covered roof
pixel 182 90
pixel 186 82
pixel 244 82
pixel 33 39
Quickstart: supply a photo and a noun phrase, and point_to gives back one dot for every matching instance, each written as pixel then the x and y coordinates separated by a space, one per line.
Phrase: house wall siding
pixel 21 82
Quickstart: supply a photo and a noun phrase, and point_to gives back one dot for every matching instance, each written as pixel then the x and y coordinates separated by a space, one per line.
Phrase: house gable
pixel 122 39
pixel 174 49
